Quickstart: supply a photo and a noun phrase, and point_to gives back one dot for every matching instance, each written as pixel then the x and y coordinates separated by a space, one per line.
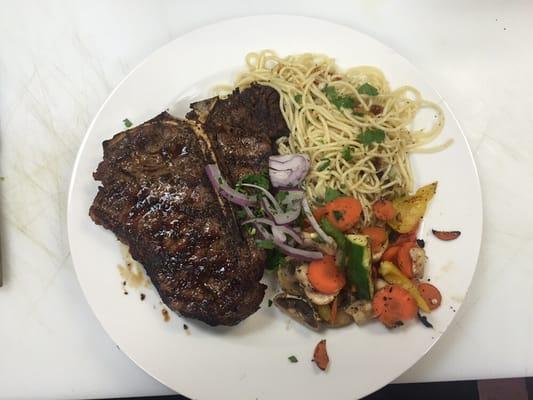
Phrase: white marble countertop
pixel 60 59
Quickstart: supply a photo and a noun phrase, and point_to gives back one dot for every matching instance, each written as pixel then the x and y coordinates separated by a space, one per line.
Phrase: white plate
pixel 250 360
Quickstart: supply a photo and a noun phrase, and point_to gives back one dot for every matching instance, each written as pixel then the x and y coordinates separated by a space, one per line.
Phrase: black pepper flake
pixel 420 243
pixel 143 296
pixel 123 283
pixel 125 292
pixel 269 303
pixel 424 320
pixel 397 324
pixel 185 327
pixel 393 235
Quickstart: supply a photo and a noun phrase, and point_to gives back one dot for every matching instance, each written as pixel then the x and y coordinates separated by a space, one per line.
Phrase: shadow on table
pixel 494 389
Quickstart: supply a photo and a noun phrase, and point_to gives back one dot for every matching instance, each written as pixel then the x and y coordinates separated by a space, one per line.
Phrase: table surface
pixel 59 60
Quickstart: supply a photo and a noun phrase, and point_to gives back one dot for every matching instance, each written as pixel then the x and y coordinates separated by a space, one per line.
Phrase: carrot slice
pixel 384 210
pixel 325 276
pixel 407 237
pixel 430 294
pixel 446 235
pixel 405 262
pixel 377 236
pixel 320 212
pixel 393 304
pixel 391 254
pixel 320 356
pixel 344 212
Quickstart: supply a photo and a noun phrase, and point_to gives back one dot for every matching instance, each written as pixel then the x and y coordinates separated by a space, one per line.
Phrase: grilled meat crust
pixel 157 199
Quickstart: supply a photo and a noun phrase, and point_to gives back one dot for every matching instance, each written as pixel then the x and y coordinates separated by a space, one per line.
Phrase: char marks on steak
pixel 157 199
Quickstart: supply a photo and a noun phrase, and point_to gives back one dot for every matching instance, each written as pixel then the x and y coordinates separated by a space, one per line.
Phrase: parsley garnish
pixel 241 214
pixel 368 89
pixel 127 123
pixel 331 194
pixel 265 244
pixel 324 164
pixel 371 135
pixel 256 179
pixel 274 259
pixel 293 359
pixel 280 196
pixel 337 100
pixel 298 98
pixel 347 154
pixel 269 303
pixel 338 214
pixel 359 114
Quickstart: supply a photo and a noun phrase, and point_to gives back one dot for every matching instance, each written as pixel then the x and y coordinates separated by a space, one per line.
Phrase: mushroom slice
pixel 298 309
pixel 379 284
pixel 288 282
pixel 318 298
pixel 361 311
pixel 419 258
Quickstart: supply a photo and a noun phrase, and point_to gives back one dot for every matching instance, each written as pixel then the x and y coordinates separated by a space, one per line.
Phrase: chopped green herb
pixel 241 214
pixel 293 359
pixel 269 303
pixel 220 180
pixel 331 92
pixel 371 135
pixel 368 89
pixel 257 179
pixel 127 123
pixel 346 153
pixel 338 214
pixel 331 194
pixel 337 100
pixel 264 244
pixel 324 164
pixel 298 98
pixel 250 229
pixel 282 195
pixel 300 221
pixel 359 114
pixel 274 259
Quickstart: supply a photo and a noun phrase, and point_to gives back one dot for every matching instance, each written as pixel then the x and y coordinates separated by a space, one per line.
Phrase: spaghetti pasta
pixel 355 129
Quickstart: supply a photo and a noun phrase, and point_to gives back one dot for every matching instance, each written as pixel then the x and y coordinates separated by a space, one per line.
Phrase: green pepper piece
pixel 358 268
pixel 330 230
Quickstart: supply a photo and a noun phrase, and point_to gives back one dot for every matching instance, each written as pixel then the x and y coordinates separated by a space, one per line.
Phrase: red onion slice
pixel 288 170
pixel 314 223
pixel 277 231
pixel 264 233
pixel 266 193
pixel 289 216
pixel 287 231
pixel 300 254
pixel 221 186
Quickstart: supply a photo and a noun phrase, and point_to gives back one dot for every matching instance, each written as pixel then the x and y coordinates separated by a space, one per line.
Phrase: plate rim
pixel 420 74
